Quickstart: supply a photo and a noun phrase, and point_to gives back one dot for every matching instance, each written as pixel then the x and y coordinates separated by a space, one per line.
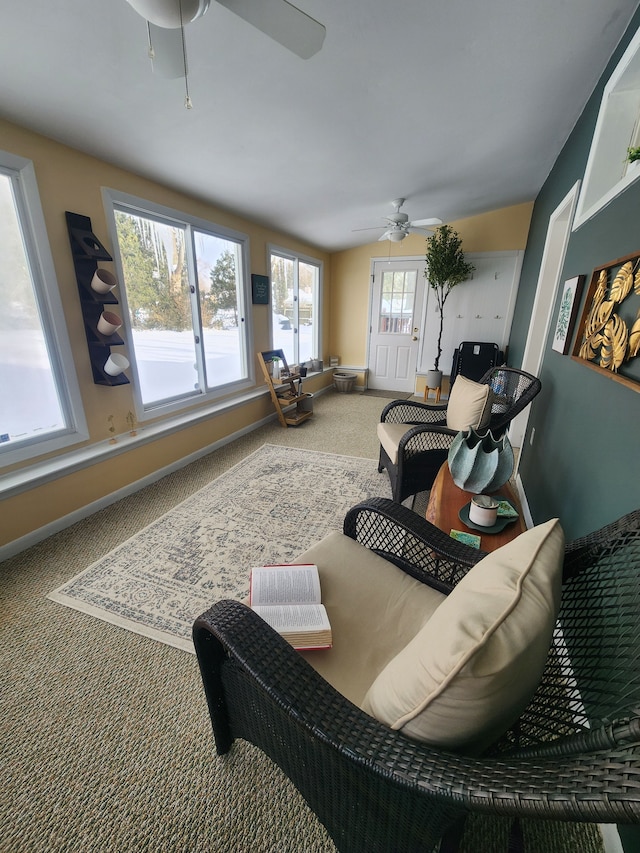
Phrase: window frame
pixel 116 200
pixel 607 173
pixel 297 258
pixel 46 291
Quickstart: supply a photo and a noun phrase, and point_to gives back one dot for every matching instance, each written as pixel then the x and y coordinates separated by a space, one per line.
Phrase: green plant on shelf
pixel 633 154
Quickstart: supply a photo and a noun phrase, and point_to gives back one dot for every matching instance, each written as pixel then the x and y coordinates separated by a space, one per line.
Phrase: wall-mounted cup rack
pixel 86 251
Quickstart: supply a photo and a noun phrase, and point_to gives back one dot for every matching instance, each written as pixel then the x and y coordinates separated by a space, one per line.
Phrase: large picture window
pixel 295 305
pixel 41 409
pixel 184 294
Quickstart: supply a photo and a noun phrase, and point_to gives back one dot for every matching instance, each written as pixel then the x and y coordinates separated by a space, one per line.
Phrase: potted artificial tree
pixel 446 268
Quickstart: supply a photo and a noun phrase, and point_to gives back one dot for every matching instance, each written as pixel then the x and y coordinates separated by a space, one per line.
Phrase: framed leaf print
pixel 567 312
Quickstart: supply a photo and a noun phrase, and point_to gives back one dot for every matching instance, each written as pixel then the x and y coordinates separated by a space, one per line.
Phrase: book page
pixel 298 617
pixel 285 585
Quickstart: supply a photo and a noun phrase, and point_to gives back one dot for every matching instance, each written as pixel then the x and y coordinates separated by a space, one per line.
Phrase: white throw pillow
pixel 470 672
pixel 469 405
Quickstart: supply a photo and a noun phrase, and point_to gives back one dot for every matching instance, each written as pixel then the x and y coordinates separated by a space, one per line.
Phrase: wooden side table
pixel 446 500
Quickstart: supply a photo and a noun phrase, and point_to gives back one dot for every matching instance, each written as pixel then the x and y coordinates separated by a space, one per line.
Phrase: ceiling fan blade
pixel 168 57
pixel 420 223
pixel 371 228
pixel 386 235
pixel 281 21
pixel 415 230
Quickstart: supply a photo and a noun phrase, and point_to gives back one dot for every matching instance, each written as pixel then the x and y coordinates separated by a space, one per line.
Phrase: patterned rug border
pixel 61 596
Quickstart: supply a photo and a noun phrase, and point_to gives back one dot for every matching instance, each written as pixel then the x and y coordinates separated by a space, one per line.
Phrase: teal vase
pixel 480 463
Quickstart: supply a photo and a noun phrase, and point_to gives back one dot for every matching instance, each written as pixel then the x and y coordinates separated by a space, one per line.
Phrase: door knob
pixel 414 338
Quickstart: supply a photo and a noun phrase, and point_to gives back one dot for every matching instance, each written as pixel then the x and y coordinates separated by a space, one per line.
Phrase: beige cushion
pixel 389 436
pixel 374 609
pixel 469 673
pixel 469 405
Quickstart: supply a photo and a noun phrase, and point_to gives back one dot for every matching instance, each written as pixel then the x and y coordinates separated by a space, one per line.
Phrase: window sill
pixel 40 473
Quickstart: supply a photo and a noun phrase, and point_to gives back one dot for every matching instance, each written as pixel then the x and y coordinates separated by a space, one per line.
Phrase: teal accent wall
pixel 584 465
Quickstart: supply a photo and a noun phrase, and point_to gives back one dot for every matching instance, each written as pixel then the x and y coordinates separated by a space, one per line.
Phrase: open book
pixel 288 598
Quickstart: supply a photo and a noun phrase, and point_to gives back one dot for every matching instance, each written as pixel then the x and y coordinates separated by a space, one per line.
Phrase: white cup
pixel 116 364
pixel 109 323
pixel 103 281
pixel 483 510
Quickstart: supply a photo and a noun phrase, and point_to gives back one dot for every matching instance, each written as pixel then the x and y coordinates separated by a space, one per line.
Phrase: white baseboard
pixel 35 536
pixel 611 838
pixel 522 497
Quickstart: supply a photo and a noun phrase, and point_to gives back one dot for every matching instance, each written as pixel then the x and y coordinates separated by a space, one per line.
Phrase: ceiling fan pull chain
pixel 150 51
pixel 187 98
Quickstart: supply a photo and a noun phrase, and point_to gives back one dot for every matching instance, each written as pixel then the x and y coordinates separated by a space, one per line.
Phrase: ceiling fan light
pixel 397 236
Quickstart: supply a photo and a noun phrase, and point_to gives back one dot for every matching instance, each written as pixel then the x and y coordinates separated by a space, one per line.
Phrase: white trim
pixel 617 120
pixel 524 504
pixel 551 266
pixel 125 442
pixel 53 322
pixel 33 476
pixel 273 249
pixel 139 206
pixel 610 838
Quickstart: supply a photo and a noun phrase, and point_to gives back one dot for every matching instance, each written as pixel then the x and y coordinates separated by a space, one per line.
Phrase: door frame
pixel 404 259
pixel 551 266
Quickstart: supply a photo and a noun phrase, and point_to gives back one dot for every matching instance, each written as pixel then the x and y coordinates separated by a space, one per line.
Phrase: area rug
pixel 266 509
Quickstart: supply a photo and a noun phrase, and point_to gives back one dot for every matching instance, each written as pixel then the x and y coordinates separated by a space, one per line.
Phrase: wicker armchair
pixel 574 754
pixel 425 445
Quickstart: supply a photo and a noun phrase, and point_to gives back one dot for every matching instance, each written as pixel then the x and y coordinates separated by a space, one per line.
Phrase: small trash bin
pixel 344 381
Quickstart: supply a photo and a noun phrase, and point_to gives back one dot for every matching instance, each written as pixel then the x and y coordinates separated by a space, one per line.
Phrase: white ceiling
pixel 459 106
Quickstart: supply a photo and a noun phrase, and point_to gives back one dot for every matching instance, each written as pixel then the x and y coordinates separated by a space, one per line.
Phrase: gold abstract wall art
pixel 609 332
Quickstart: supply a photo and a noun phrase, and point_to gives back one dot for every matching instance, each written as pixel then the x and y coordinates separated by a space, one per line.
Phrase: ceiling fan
pixel 398 226
pixel 280 20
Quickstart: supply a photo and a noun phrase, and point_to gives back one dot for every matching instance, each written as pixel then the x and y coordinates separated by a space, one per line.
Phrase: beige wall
pixel 70 180
pixel 499 231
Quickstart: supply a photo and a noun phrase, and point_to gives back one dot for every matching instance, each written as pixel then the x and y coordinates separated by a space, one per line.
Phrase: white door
pixel 394 330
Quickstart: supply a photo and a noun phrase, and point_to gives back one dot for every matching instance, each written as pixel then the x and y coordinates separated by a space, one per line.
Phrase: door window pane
pixel 397 299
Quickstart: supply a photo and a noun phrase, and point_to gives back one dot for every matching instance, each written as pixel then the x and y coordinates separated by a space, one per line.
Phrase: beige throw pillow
pixel 471 670
pixel 469 405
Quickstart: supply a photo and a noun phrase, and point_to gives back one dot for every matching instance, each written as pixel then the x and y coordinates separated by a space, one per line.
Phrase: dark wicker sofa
pixel 574 755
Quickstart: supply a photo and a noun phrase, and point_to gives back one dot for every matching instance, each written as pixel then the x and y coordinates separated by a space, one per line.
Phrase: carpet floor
pixel 105 741
pixel 267 509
